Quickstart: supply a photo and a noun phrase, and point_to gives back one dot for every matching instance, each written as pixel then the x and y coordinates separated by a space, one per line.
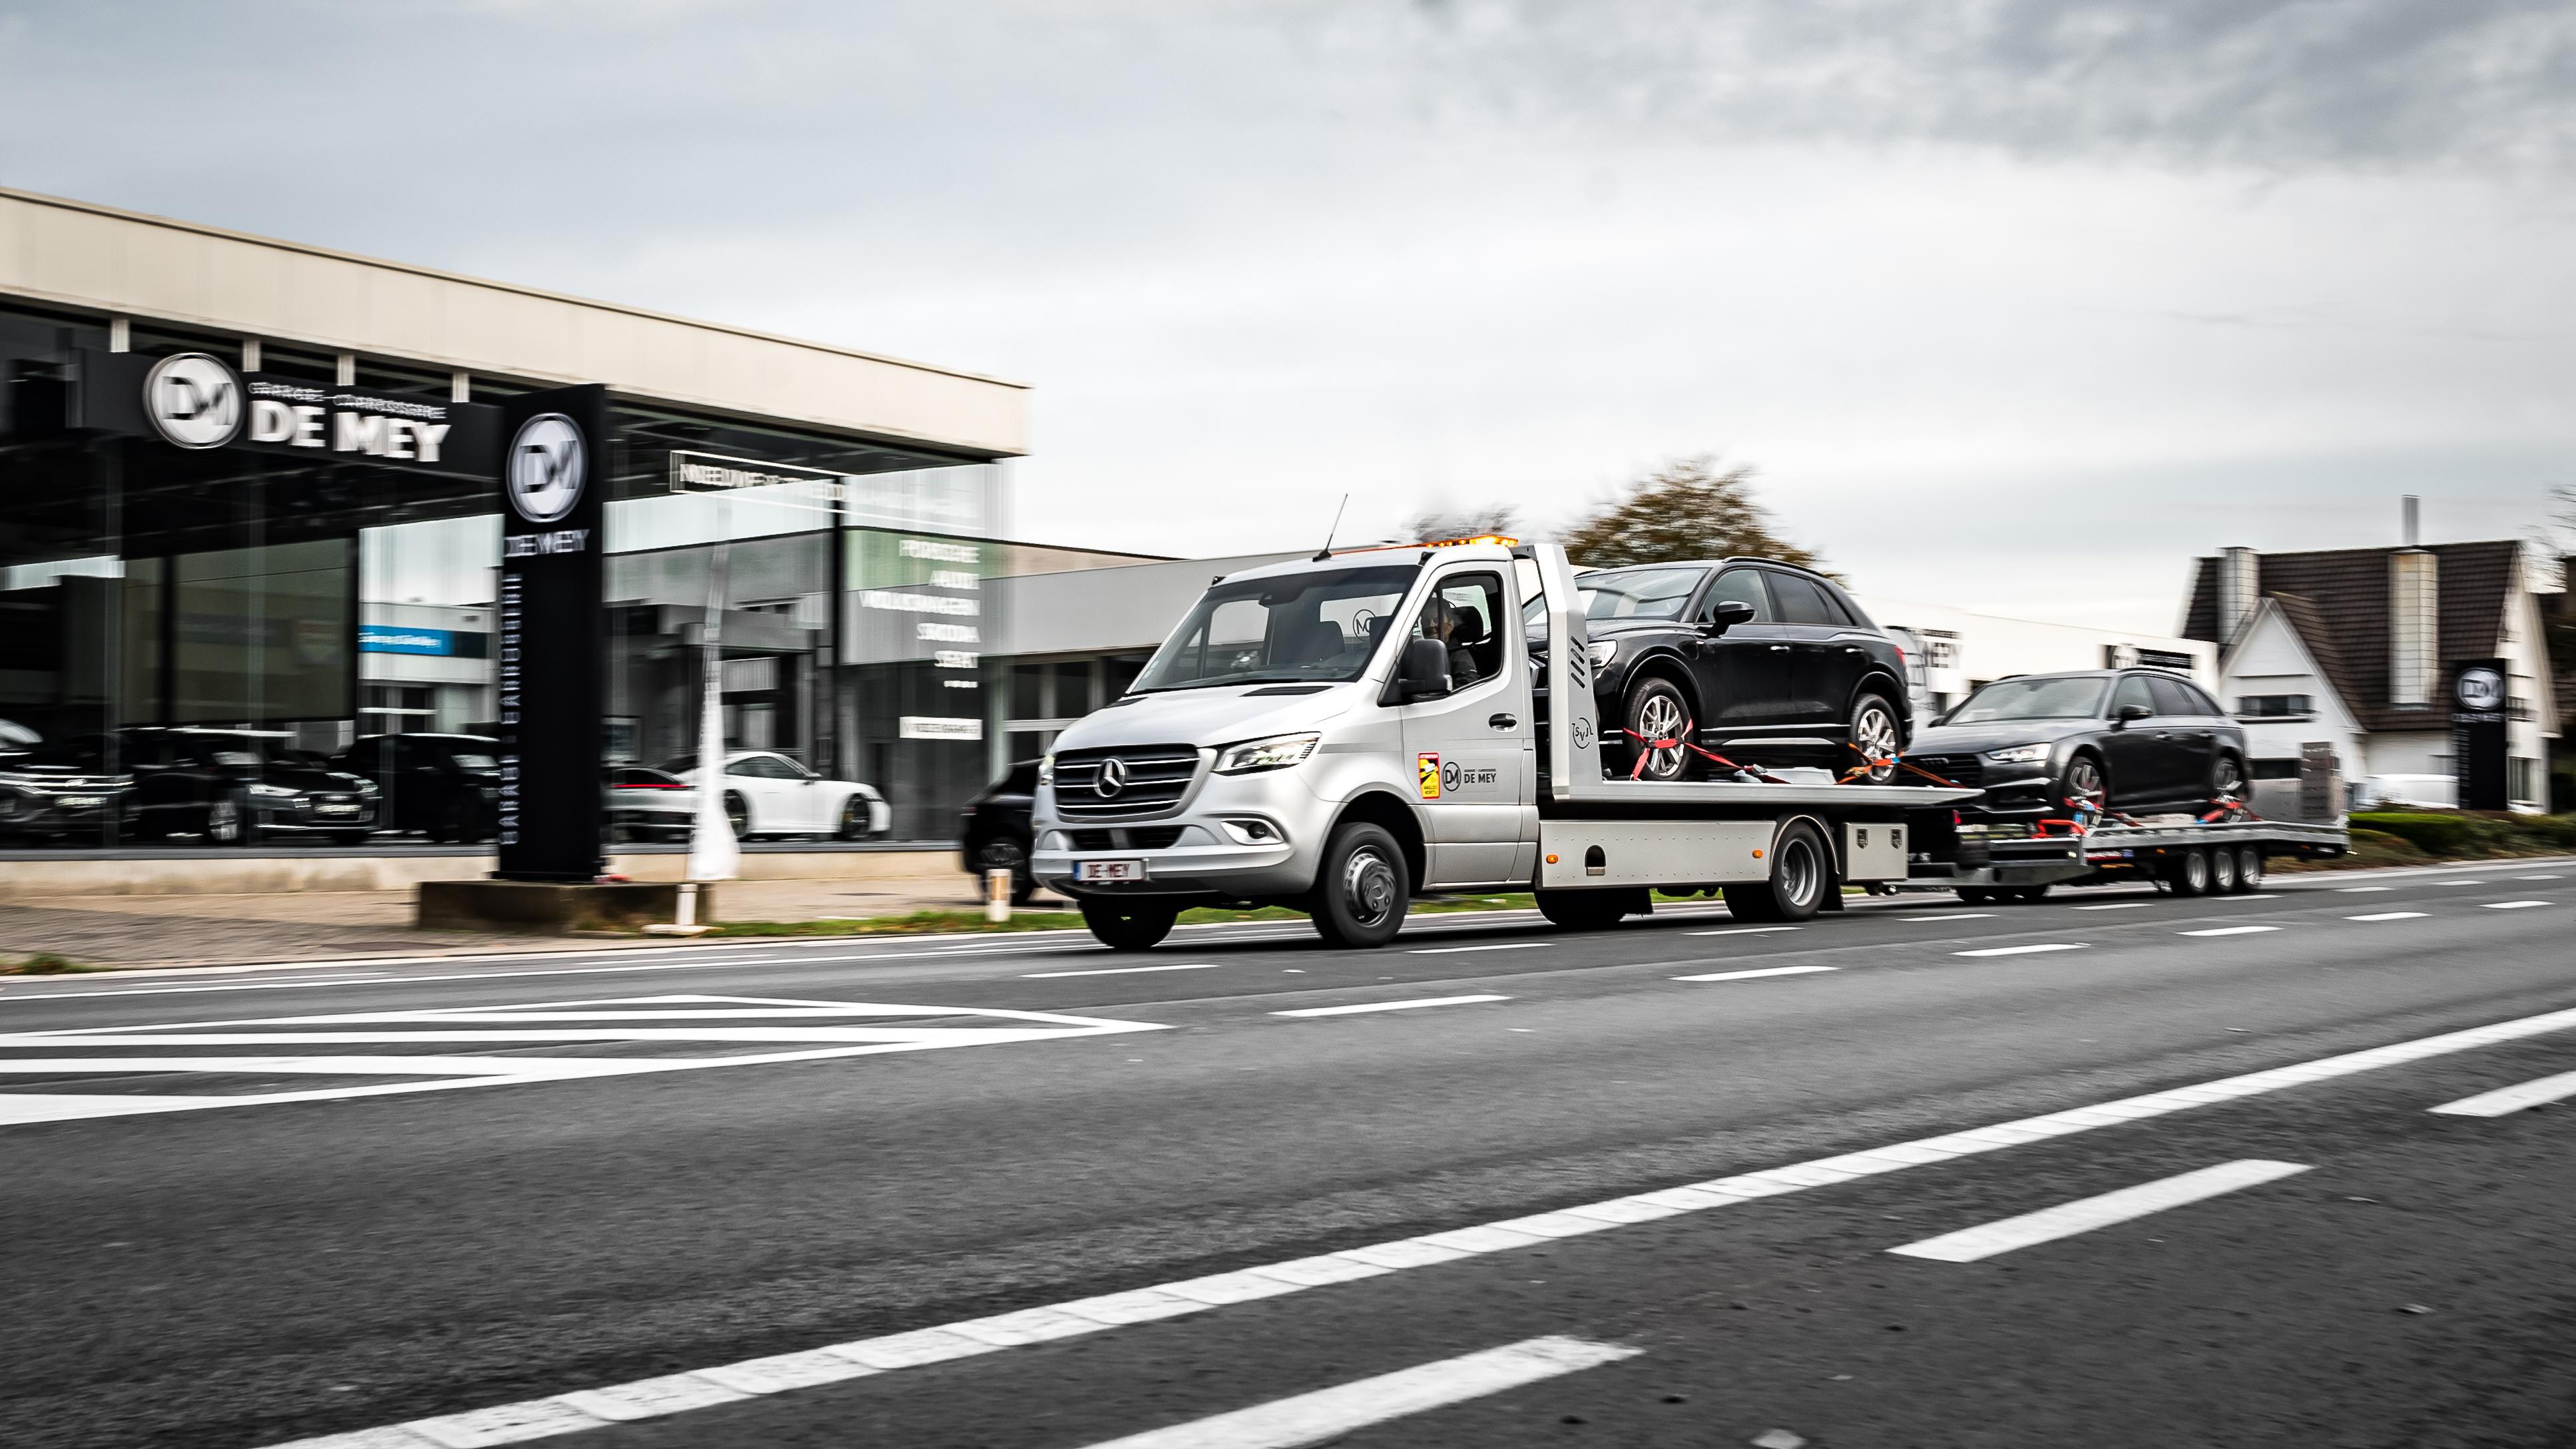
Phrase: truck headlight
pixel 1275 753
pixel 1601 651
pixel 2019 755
pixel 1046 770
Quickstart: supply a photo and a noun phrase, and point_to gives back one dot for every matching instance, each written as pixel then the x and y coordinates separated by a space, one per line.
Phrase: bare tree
pixel 1686 509
pixel 1500 518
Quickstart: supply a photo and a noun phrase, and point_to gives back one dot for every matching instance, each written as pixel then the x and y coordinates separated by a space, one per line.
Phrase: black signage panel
pixel 551 633
pixel 196 400
pixel 2479 711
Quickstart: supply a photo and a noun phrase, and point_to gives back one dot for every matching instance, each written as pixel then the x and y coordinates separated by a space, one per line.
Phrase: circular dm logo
pixel 546 464
pixel 193 400
pixel 2480 689
pixel 1449 776
pixel 1113 778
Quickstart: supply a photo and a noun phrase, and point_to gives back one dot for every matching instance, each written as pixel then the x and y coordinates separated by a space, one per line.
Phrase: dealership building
pixel 251 483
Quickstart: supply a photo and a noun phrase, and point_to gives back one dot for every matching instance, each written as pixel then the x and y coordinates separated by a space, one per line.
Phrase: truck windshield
pixel 1319 626
pixel 2078 698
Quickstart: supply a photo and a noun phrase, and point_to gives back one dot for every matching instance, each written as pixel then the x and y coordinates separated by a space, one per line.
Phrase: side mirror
pixel 2120 717
pixel 1423 672
pixel 1726 616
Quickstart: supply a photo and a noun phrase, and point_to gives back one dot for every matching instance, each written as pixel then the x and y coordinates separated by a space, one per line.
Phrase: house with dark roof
pixel 2352 649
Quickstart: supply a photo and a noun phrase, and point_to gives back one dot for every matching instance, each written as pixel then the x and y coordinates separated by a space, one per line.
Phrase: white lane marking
pixel 1490 946
pixel 2512 1099
pixel 2391 916
pixel 2026 950
pixel 1344 1408
pixel 2118 906
pixel 2229 931
pixel 167 1047
pixel 2455 882
pixel 1387 1006
pixel 1953 916
pixel 2540 877
pixel 2363 890
pixel 2515 905
pixel 2068 1219
pixel 791 1370
pixel 1114 971
pixel 1745 931
pixel 1764 971
pixel 2231 900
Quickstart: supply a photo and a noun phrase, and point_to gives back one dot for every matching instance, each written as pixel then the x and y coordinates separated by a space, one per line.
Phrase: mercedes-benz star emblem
pixel 193 400
pixel 1113 778
pixel 545 468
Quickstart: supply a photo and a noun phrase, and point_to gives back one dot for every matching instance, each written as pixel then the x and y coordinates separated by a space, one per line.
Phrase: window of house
pixel 2275 706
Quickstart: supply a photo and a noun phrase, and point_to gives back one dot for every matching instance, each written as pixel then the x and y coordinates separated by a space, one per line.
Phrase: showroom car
pixel 447 787
pixel 768 793
pixel 62 791
pixel 645 804
pixel 1764 663
pixel 2137 741
pixel 231 787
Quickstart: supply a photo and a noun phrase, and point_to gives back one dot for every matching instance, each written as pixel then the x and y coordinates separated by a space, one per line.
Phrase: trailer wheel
pixel 2188 873
pixel 1129 925
pixel 1361 894
pixel 2249 869
pixel 2222 871
pixel 1801 873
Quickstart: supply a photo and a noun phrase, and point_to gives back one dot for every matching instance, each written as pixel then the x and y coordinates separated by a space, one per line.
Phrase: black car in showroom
pixel 2138 741
pixel 993 831
pixel 447 787
pixel 1765 663
pixel 60 791
pixel 231 787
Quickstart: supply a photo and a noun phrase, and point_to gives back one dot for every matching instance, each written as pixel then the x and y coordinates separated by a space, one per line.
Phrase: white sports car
pixel 766 793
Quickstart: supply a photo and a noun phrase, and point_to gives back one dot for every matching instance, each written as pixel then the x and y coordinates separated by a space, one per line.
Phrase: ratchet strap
pixel 1682 741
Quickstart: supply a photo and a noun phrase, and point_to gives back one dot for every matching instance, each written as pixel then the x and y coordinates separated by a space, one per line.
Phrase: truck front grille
pixel 1155 777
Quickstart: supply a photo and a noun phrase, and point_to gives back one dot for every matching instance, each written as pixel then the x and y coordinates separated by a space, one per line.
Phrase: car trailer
pixel 2186 857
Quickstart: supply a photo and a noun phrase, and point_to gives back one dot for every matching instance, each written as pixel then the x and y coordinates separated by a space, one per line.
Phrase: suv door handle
pixel 1779 648
pixel 1854 649
pixel 1503 722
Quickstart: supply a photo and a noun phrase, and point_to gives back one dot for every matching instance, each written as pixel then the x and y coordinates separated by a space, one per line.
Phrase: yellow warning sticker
pixel 1430 775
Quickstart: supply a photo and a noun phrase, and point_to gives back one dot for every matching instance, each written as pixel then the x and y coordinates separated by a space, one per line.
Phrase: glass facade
pixel 146 587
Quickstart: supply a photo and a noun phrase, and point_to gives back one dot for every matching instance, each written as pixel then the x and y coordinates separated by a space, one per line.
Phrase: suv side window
pixel 2132 690
pixel 2200 696
pixel 2174 697
pixel 1801 602
pixel 1738 586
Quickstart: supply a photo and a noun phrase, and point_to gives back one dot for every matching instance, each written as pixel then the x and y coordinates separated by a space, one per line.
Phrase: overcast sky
pixel 2014 305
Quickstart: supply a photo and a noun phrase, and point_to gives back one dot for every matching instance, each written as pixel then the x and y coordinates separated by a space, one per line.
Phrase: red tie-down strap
pixel 1683 742
pixel 2229 808
pixel 1899 761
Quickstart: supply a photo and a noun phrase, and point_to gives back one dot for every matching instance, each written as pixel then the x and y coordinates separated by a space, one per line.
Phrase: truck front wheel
pixel 1129 925
pixel 1362 892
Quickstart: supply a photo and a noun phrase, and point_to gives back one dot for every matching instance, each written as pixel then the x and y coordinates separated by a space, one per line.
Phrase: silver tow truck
pixel 1345 733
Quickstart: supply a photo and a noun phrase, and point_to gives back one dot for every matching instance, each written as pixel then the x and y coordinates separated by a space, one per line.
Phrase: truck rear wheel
pixel 2249 869
pixel 1129 925
pixel 2188 873
pixel 1362 892
pixel 1801 873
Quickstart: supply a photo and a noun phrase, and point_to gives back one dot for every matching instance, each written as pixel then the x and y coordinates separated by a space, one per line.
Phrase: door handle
pixel 1854 649
pixel 1779 648
pixel 1503 722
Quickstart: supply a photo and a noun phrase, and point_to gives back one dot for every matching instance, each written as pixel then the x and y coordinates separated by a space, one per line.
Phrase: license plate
pixel 336 809
pixel 80 802
pixel 1109 870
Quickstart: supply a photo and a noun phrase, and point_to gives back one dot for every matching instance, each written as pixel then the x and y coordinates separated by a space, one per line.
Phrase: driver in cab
pixel 1455 630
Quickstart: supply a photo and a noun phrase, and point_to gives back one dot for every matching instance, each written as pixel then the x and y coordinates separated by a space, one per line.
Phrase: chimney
pixel 2240 588
pixel 2412 509
pixel 2414 619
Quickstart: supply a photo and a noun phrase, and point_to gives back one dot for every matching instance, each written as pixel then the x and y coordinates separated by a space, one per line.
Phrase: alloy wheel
pixel 223 822
pixel 2084 783
pixel 1660 718
pixel 1873 736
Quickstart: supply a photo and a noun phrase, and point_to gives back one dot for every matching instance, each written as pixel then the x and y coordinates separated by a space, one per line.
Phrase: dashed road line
pixel 2229 931
pixel 2392 916
pixel 562 1414
pixel 2515 905
pixel 2362 890
pixel 2065 1220
pixel 1763 971
pixel 1487 946
pixel 2540 877
pixel 2118 906
pixel 1116 971
pixel 2031 950
pixel 1745 931
pixel 1388 1006
pixel 1953 916
pixel 2512 1099
pixel 1344 1408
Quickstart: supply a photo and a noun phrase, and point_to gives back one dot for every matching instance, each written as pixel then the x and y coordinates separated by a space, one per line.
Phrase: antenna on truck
pixel 1326 551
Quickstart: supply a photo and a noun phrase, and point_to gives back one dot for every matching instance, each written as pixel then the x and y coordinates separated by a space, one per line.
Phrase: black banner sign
pixel 552 633
pixel 196 400
pixel 2479 712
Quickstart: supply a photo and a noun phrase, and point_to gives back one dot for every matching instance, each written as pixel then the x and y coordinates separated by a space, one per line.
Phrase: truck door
pixel 1473 746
